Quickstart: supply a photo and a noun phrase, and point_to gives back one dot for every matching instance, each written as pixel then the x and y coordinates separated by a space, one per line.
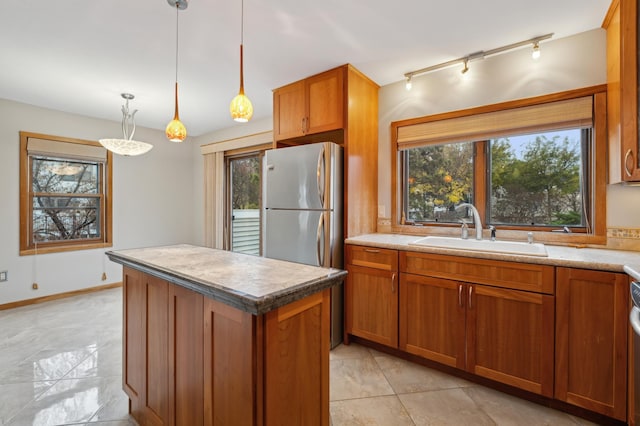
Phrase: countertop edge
pixel 247 303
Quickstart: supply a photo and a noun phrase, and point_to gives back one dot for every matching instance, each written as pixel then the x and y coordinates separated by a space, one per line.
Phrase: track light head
pixel 408 84
pixel 535 54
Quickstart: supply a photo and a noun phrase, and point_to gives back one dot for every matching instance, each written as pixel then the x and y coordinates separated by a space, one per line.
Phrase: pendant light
pixel 127 146
pixel 241 108
pixel 175 131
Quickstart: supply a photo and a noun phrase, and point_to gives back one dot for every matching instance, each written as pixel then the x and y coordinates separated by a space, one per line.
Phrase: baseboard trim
pixel 51 297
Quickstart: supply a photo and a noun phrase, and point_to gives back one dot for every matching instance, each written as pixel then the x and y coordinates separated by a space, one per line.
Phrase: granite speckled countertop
pixel 251 283
pixel 587 258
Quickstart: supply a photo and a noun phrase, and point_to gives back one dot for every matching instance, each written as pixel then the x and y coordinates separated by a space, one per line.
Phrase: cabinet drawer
pixel 518 276
pixel 372 257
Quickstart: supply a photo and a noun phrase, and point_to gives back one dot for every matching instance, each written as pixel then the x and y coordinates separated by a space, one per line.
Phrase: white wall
pixel 153 201
pixel 568 63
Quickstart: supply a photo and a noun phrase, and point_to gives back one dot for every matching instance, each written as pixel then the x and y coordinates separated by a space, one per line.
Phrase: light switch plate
pixel 4 276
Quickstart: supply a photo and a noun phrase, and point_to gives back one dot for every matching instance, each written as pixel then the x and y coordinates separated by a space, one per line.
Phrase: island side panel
pixel 297 362
pixel 229 357
pixel 134 338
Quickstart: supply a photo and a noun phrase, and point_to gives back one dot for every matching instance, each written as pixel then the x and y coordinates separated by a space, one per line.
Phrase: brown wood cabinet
pixel 371 294
pixel 622 91
pixel 592 309
pixel 309 106
pixel 339 105
pixel 496 332
pixel 191 360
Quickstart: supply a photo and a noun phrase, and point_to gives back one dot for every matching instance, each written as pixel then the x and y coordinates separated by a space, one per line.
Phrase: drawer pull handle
pixel 460 295
pixel 626 167
pixel 372 251
pixel 470 293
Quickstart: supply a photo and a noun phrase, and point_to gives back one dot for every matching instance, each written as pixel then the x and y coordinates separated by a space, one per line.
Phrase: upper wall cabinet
pixel 309 106
pixel 341 106
pixel 622 91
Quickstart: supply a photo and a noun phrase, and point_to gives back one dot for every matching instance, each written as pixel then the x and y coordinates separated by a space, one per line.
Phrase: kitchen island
pixel 213 337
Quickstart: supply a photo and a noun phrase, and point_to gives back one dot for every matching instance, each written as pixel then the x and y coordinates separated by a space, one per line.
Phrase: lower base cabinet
pixel 191 360
pixel 592 309
pixel 502 334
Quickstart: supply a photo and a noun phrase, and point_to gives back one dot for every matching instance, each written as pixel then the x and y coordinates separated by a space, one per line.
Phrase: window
pixel 528 166
pixel 65 194
pixel 243 202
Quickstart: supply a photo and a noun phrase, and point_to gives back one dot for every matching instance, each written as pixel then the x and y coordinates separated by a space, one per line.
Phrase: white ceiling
pixel 79 55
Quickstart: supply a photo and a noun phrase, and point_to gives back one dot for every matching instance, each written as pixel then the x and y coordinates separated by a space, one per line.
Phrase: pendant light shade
pixel 175 131
pixel 127 146
pixel 241 108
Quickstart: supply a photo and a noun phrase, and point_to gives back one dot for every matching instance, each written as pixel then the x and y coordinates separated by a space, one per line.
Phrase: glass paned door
pixel 243 205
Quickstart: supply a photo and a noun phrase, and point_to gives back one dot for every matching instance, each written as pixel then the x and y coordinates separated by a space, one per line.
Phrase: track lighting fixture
pixel 535 53
pixel 465 68
pixel 479 55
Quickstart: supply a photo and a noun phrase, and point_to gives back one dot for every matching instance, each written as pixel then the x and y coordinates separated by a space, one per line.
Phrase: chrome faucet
pixel 476 218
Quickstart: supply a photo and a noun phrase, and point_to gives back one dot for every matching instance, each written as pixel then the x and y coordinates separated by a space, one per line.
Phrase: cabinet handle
pixel 393 281
pixel 460 295
pixel 304 125
pixel 470 293
pixel 626 168
pixel 372 251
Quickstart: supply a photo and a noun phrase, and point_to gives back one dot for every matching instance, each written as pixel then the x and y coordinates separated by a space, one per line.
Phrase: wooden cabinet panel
pixel 520 276
pixel 157 392
pixel 134 338
pixel 432 319
pixel 372 257
pixel 621 24
pixel 309 106
pixel 372 304
pixel 186 355
pixel 229 381
pixel 371 294
pixel 510 337
pixel 145 349
pixel 289 111
pixel 325 101
pixel 297 353
pixel 591 340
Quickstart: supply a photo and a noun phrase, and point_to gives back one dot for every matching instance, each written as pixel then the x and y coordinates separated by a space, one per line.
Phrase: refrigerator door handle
pixel 320 175
pixel 319 239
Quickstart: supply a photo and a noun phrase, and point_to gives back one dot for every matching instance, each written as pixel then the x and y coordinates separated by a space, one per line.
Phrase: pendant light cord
pixel 177 32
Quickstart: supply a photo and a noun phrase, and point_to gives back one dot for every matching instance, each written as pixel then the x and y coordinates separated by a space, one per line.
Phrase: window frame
pixel 229 156
pixel 598 173
pixel 105 194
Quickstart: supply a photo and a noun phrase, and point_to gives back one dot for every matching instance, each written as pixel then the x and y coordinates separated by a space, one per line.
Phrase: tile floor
pixel 60 364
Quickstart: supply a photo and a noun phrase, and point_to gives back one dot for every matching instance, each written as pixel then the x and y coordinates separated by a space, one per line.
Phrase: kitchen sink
pixel 509 247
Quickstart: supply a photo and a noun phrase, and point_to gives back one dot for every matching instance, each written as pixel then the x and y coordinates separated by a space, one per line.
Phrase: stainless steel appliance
pixel 634 319
pixel 302 217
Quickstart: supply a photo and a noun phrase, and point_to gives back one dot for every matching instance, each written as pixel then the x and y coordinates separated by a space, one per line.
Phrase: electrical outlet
pixel 4 276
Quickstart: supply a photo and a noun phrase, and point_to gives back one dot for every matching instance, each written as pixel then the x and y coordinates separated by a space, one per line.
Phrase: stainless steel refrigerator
pixel 302 216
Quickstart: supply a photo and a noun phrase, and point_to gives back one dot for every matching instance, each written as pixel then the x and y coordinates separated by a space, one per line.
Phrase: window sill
pixel 65 248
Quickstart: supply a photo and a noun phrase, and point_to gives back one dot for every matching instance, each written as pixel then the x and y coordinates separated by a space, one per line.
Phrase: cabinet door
pixel 432 318
pixel 510 337
pixel 372 304
pixel 289 111
pixel 185 308
pixel 297 352
pixel 145 357
pixel 628 57
pixel 325 94
pixel 229 346
pixel 592 309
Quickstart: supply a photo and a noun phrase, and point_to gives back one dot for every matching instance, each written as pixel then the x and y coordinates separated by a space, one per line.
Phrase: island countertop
pixel 252 284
